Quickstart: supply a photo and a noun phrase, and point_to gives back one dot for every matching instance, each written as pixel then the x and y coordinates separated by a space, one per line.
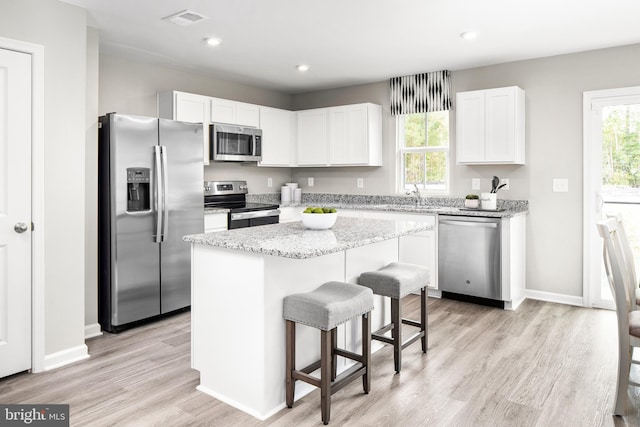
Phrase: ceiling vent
pixel 185 18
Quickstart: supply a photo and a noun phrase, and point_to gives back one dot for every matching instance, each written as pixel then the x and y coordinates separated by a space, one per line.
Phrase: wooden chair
pixel 629 262
pixel 620 280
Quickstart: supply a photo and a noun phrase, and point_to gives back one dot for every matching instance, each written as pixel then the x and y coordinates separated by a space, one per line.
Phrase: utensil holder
pixel 488 201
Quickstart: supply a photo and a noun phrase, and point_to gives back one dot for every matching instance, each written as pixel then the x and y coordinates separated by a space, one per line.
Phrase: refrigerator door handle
pixel 165 191
pixel 159 199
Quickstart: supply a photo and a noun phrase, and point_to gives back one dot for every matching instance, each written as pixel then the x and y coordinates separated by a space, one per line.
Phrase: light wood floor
pixel 543 365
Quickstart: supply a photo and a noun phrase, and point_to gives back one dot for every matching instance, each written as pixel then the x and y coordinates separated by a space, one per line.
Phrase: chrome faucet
pixel 415 193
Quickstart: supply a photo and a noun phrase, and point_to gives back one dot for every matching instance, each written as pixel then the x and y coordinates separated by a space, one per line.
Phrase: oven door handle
pixel 254 214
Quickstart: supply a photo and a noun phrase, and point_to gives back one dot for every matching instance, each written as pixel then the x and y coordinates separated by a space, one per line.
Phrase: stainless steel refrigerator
pixel 150 174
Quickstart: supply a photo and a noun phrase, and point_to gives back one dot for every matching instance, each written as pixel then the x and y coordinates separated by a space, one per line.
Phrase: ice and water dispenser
pixel 138 194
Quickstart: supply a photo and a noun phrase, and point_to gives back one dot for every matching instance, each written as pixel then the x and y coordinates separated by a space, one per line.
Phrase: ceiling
pixel 349 42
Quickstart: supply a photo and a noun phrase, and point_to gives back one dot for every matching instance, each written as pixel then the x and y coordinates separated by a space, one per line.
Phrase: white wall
pixel 61 29
pixel 91 184
pixel 130 87
pixel 554 88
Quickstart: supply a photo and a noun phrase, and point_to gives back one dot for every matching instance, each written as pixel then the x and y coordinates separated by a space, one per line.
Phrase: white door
pixel 15 212
pixel 612 178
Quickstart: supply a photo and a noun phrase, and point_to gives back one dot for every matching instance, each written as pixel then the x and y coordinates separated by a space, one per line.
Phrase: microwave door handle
pixel 158 196
pixel 165 191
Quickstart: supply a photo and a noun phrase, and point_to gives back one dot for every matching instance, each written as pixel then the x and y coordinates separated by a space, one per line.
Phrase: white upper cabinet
pixel 313 137
pixel 355 136
pixel 234 112
pixel 278 134
pixel 349 135
pixel 187 107
pixel 490 126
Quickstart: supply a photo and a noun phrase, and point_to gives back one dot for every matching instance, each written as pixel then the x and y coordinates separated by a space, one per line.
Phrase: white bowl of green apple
pixel 317 218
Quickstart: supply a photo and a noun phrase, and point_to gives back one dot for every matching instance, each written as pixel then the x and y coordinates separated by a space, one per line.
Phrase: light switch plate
pixel 269 182
pixel 360 182
pixel 310 181
pixel 505 181
pixel 475 183
pixel 560 185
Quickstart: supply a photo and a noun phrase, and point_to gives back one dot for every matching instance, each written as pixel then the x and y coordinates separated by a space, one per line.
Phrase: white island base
pixel 238 333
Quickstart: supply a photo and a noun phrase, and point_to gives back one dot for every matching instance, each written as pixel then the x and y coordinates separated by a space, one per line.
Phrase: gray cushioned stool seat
pixel 329 305
pixel 396 279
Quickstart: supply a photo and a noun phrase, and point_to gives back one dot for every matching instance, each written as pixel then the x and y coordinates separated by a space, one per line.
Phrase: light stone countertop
pixel 421 209
pixel 294 240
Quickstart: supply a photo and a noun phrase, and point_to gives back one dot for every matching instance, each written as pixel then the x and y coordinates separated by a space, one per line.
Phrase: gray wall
pixel 61 29
pixel 130 87
pixel 554 88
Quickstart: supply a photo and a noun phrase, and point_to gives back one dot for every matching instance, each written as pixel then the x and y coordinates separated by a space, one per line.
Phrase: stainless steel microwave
pixel 233 143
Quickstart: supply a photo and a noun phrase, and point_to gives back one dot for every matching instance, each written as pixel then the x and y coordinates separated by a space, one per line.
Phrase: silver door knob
pixel 20 227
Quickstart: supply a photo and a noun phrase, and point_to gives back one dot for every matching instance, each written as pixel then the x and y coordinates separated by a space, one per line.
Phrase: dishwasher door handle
pixel 470 224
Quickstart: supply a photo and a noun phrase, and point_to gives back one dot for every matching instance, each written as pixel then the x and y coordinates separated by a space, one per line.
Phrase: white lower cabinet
pixel 290 213
pixel 215 222
pixel 420 248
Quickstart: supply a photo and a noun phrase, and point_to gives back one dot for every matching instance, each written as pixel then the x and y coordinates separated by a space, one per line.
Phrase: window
pixel 423 152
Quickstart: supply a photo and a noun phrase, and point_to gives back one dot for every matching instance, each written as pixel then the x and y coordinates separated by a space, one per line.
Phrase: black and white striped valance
pixel 421 93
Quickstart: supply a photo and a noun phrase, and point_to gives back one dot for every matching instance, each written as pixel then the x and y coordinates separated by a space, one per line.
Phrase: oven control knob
pixel 243 187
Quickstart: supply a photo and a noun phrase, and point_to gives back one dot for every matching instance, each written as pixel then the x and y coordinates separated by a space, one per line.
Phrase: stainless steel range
pixel 232 195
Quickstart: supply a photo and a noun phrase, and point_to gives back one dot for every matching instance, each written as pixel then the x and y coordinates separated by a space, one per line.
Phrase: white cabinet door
pixel 500 125
pixel 187 107
pixel 339 135
pixel 247 114
pixel 348 135
pixel 215 222
pixel 222 111
pixel 277 140
pixel 490 126
pixel 290 213
pixel 312 137
pixel 234 112
pixel 470 126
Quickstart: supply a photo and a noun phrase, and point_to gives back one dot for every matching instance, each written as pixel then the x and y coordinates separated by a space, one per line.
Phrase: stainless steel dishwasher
pixel 469 256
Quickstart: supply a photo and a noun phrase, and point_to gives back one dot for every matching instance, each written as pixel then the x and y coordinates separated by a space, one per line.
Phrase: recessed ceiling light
pixel 213 41
pixel 302 67
pixel 468 35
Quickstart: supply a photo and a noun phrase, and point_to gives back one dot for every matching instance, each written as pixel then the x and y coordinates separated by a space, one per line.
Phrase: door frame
pixel 37 197
pixel 589 199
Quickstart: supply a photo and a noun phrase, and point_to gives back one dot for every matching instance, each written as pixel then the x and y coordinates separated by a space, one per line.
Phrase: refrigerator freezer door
pixel 135 271
pixel 182 144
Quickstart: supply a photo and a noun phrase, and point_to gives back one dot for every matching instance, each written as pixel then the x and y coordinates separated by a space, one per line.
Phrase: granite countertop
pixel 422 209
pixel 294 240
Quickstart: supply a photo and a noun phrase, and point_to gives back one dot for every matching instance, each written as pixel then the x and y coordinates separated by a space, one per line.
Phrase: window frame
pixel 401 150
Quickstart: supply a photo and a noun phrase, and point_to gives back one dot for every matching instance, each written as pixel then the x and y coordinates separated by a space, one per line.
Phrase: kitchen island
pixel 239 279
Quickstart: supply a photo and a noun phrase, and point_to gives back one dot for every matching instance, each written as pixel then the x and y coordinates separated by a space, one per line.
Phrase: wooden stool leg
pixel 291 361
pixel 423 319
pixel 366 351
pixel 396 318
pixel 334 356
pixel 325 375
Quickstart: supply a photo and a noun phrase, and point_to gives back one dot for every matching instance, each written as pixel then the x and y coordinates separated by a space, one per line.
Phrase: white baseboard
pixel 65 357
pixel 92 330
pixel 553 297
pixel 243 408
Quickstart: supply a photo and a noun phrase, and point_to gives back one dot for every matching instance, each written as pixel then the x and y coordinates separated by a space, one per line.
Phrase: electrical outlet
pixel 560 185
pixel 475 183
pixel 360 182
pixel 505 181
pixel 269 182
pixel 310 181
